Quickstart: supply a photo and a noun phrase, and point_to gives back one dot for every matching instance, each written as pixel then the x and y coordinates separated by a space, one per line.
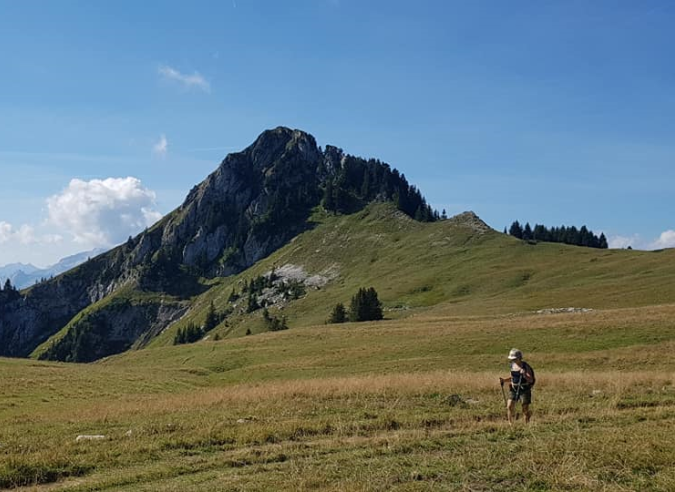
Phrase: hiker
pixel 521 381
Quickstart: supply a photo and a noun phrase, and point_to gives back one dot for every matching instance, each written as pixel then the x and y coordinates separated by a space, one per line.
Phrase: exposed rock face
pixel 252 204
pixel 224 210
pixel 112 329
pixel 222 228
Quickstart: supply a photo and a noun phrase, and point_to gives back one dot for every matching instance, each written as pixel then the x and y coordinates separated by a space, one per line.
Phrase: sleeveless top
pixel 515 375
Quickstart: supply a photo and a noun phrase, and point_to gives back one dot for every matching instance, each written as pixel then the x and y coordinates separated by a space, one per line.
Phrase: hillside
pixel 455 267
pixel 283 231
pixel 252 204
pixel 408 404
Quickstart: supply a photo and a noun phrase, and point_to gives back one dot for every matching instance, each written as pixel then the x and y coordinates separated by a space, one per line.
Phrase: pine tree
pixel 527 232
pixel 516 230
pixel 339 314
pixel 374 306
pixel 211 320
pixel 365 306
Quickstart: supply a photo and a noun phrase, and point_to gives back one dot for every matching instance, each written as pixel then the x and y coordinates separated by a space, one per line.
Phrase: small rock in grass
pixel 88 437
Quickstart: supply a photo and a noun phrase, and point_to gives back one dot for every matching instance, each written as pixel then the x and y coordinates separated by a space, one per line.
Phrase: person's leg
pixel 527 399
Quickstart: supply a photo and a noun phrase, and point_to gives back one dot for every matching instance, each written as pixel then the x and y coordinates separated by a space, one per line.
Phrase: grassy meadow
pixel 403 404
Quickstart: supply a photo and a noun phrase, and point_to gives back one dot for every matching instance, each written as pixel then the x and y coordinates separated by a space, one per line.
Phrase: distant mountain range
pixel 24 275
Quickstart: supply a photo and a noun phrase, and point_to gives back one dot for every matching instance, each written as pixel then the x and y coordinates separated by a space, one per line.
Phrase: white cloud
pixel 23 235
pixel 103 212
pixel 161 147
pixel 26 234
pixel 622 242
pixel 665 240
pixel 5 232
pixel 188 81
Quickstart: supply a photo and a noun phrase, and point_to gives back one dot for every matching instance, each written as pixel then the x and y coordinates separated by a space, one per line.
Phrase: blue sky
pixel 556 112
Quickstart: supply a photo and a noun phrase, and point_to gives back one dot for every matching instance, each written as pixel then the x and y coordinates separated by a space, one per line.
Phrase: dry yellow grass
pixel 357 408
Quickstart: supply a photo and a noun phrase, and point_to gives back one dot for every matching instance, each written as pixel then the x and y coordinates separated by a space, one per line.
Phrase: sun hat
pixel 515 354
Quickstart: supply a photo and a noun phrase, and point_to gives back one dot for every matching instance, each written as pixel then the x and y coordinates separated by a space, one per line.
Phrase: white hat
pixel 515 354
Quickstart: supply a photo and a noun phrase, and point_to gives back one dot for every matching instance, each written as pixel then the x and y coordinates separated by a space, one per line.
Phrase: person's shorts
pixel 524 395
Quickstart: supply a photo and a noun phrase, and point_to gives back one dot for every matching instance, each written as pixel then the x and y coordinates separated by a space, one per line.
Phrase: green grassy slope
pixel 448 267
pixel 365 406
pixel 356 407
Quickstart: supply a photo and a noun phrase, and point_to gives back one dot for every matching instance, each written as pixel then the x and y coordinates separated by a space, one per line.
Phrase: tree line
pixel 567 235
pixel 360 181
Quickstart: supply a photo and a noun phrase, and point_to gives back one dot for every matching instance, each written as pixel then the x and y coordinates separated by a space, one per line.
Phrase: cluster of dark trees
pixel 8 292
pixel 360 181
pixel 365 306
pixel 192 333
pixel 8 287
pixel 568 235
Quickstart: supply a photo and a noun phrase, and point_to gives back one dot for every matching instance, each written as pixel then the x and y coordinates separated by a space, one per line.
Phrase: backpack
pixel 528 368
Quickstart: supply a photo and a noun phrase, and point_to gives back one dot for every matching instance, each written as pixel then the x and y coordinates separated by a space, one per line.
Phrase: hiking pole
pixel 520 383
pixel 501 382
pixel 506 403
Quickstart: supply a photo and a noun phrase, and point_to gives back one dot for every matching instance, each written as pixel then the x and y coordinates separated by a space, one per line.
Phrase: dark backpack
pixel 528 368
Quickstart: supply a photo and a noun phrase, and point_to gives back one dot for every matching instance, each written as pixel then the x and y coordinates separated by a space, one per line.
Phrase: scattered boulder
pixel 90 437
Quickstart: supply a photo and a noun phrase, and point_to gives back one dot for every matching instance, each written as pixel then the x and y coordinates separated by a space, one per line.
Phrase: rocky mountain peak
pixel 255 201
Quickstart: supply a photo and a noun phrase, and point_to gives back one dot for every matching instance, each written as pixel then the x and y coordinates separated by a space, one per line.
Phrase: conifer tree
pixel 339 314
pixel 211 320
pixel 516 230
pixel 365 306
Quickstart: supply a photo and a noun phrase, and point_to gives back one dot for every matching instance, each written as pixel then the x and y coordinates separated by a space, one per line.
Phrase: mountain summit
pixel 252 204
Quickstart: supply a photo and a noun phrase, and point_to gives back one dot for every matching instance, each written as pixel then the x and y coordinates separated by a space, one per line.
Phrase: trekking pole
pixel 503 392
pixel 520 383
pixel 506 403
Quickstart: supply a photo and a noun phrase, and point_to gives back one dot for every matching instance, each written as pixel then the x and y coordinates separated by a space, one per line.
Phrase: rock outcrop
pixel 252 204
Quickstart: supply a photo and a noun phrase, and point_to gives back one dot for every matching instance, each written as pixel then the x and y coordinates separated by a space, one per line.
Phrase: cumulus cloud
pixel 195 80
pixel 665 240
pixel 103 212
pixel 161 147
pixel 23 235
pixel 621 242
pixel 5 231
